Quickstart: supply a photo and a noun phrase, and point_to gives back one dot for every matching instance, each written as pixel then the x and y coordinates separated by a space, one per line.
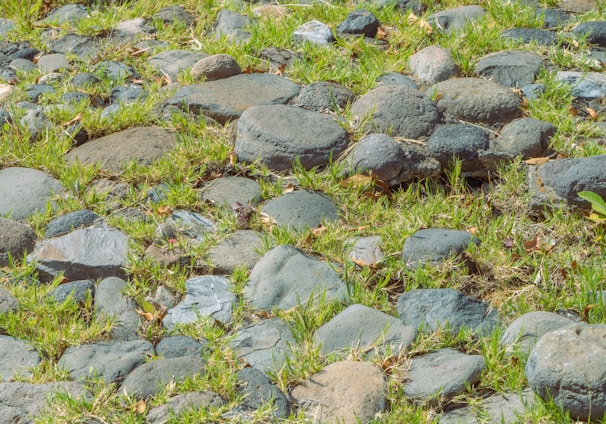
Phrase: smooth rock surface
pixel 453 20
pixel 584 85
pixel 16 357
pixel 111 304
pixel 434 245
pixel 527 137
pixel 528 329
pixel 512 68
pixel 314 32
pixel 258 391
pixel 173 62
pixel 229 191
pixel 301 209
pixel 432 64
pixel 215 67
pixel 236 250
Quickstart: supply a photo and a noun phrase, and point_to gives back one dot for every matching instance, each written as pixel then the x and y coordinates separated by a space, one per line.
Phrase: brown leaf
pixel 232 158
pixel 280 70
pixel 148 316
pixel 356 180
pixel 585 314
pixel 165 210
pixel 72 121
pixel 290 187
pixel 573 111
pixel 536 161
pixel 412 19
pixel 390 362
pixel 473 230
pixel 592 113
pixel 381 34
pixel 139 407
pixel 318 231
pixel 250 70
pixel 424 25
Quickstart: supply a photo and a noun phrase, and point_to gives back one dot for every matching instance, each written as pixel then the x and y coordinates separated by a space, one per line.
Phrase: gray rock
pixel 477 100
pixel 178 346
pixel 5 118
pixel 527 137
pixel 115 71
pixel 191 224
pixel 23 65
pixel 229 191
pixel 77 291
pixel 64 224
pixel 264 345
pixel 533 91
pixel 314 32
pixel 53 62
pixel 206 296
pixel 232 25
pixel 432 64
pixel 595 31
pixel 512 68
pixel 567 366
pixel 500 408
pixel 585 85
pixel 321 96
pixel 259 391
pixel 75 97
pixel 8 75
pixel 394 78
pixel 301 209
pixel 173 62
pixel 92 252
pixel 127 94
pixel 343 392
pixel 6 26
pixel 365 330
pixel 36 123
pixel 111 304
pixel 453 20
pixel 173 14
pixel 360 22
pixel 78 45
pixel 278 135
pixel 414 6
pixel 441 375
pixel 140 144
pixel 578 6
pixel 182 403
pixel 284 278
pixel 224 100
pixel 236 250
pixel 556 183
pixel 84 80
pixel 399 110
pixel 25 191
pixel 16 357
pixel 215 67
pixel 110 361
pixel 150 378
pixel 8 302
pixel 131 28
pixel 553 18
pixel 68 14
pixel 279 57
pixel 112 192
pixel 151 47
pixel 364 251
pixel 531 35
pixel 434 245
pixel 525 331
pixel 16 240
pixel 462 142
pixel 435 308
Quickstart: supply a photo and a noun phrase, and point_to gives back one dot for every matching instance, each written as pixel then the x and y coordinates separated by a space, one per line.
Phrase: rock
pixel 258 391
pixel 179 346
pixel 441 375
pixel 278 135
pixel 402 111
pixel 53 63
pixel 131 28
pixel 554 18
pixel 394 78
pixel 527 137
pixel 182 403
pixel 9 76
pixel 111 304
pixel 533 91
pixel 239 249
pixel 301 209
pixel 434 245
pixel 84 80
pixel 364 251
pixel 5 116
pixel 476 100
pixel 230 191
pixel 566 366
pixel 432 64
pixel 453 20
pixel 16 240
pixel 435 308
pixel 232 25
pixel 314 32
pixel 512 68
pixel 5 92
pixel 140 144
pixel 585 85
pixel 68 14
pixel 23 65
pixel 279 57
pixel 224 100
pixel 215 67
pixel 117 72
pixel 500 408
pixel 92 252
pixel 174 14
pixel 173 62
pixel 462 142
pixel 270 11
pixel 6 26
pixel 8 302
pixel 284 278
pixel 579 6
pixel 64 224
pixel 78 45
pixel 150 378
pixel 36 123
pixel 343 392
pixel 110 361
pixel 112 192
pixel 556 183
pixel 25 191
pixel 76 291
pixel 595 31
pixel 191 224
pixel 264 345
pixel 164 255
pixel 364 329
pixel 531 35
pixel 414 6
pixel 206 296
pixel 16 357
pixel 360 22
pixel 322 96
pixel 528 329
pixel 127 95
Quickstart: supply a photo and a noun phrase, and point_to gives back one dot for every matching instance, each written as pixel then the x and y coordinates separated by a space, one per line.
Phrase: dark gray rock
pixel 567 366
pixel 237 250
pixel 5 118
pixel 84 80
pixel 115 71
pixel 179 346
pixel 111 304
pixel 8 75
pixel 278 135
pixel 173 14
pixel 224 100
pixel 215 67
pixel 414 6
pixel 364 251
pixel 314 32
pixel 434 245
pixel 322 96
pixel 16 357
pixel 435 308
pixel 8 302
pixel 75 97
pixel 54 62
pixel 150 378
pixel 554 18
pixel 525 331
pixel 127 94
pixel 229 191
pixel 206 296
pixel 556 183
pixel 232 25
pixel 77 291
pixel 63 224
pixel 585 85
pixel 527 137
pixel 453 20
pixel 432 64
pixel 531 35
pixel 68 14
pixel 173 62
pixel 34 91
pixel 264 345
pixel 25 191
pixel 279 57
pixel 394 78
pixel 259 391
pixel 512 68
pixel 191 224
pixel 301 209
pixel 78 45
pixel 110 361
pixel 441 375
pixel 360 22
pixel 500 408
pixel 595 31
pixel 462 142
pixel 183 403
pixel 397 110
pixel 36 122
pixel 16 240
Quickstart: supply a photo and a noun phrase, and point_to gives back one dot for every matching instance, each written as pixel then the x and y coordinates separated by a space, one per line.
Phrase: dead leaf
pixel 165 210
pixel 148 316
pixel 539 243
pixel 473 230
pixel 585 314
pixel 232 158
pixel 540 184
pixel 424 25
pixel 537 161
pixel 412 19
pixel 318 231
pixel 72 121
pixel 251 70
pixel 280 70
pixel 290 187
pixel 139 407
pixel 390 362
pixel 592 113
pixel 381 34
pixel 573 111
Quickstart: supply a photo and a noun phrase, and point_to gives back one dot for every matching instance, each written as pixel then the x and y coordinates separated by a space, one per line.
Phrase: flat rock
pixel 173 14
pixel 301 209
pixel 205 296
pixel 93 252
pixel 360 22
pixel 173 62
pixel 585 85
pixel 230 191
pixel 183 403
pixel 433 309
pixel 111 304
pixel 567 366
pixel 8 302
pixel 264 345
pixel 528 329
pixel 364 251
pixel 432 64
pixel 314 32
pixel 191 225
pixel 526 137
pixel 434 245
pixel 462 142
pixel 343 392
pixel 284 278
pixel 556 183
pixel 238 249
pixel 53 62
pixel 16 240
pixel 595 31
pixel 258 391
pixel 477 100
pixel 395 78
pixel 455 19
pixel 78 45
pixel 117 72
pixel 16 357
pixel 277 136
pixel 76 291
pixel 215 67
pixel 71 221
pixel 441 375
pixel 110 361
pixel 232 25
pixel 499 408
pixel 142 145
pixel 399 110
pixel 322 96
pixel 224 100
pixel 179 346
pixel 554 18
pixel 531 35
pixel 512 68
pixel 150 378
pixel 364 329
pixel 25 191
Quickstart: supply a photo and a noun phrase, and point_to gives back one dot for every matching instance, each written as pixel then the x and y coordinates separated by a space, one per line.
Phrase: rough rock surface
pixel 301 209
pixel 258 390
pixel 432 64
pixel 236 250
pixel 528 329
pixel 181 404
pixel 434 245
pixel 513 68
pixel 16 239
pixel 500 408
pixel 111 304
pixel 16 356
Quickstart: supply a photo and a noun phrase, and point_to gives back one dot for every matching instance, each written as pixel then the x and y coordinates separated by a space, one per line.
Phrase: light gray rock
pixel 462 142
pixel 364 251
pixel 513 68
pixel 258 391
pixel 16 357
pixel 191 224
pixel 182 403
pixel 434 245
pixel 111 304
pixel 322 96
pixel 432 64
pixel 131 28
pixel 232 25
pixel 527 137
pixel 301 209
pixel 567 365
pixel 71 221
pixel 284 278
pixel 314 32
pixel 525 331
pixel 215 67
pixel 278 135
pixel 25 191
pixel 343 392
pixel 53 62
pixel 16 240
pixel 8 302
pixel 205 296
pixel 585 85
pixel 173 62
pixel 231 190
pixel 236 250
pixel 500 408
pixel 6 26
pixel 453 20
pixel 441 375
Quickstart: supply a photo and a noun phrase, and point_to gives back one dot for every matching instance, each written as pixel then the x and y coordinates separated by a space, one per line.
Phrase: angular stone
pixel 432 64
pixel 63 224
pixel 434 245
pixel 16 239
pixel 229 191
pixel 173 62
pixel 237 250
pixel 191 224
pixel 343 392
pixel 528 329
pixel 16 357
pixel 278 135
pixel 462 142
pixel 322 96
pixel 531 35
pixel 182 403
pixel 360 22
pixel 314 32
pixel 258 391
pixel 595 31
pixel 77 291
pixel 512 68
pixel 527 137
pixel 585 85
pixel 179 346
pixel 111 304
pixel 455 19
pixel 301 209
pixel 215 67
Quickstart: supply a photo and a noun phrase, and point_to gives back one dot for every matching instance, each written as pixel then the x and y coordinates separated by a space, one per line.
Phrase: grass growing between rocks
pixel 561 275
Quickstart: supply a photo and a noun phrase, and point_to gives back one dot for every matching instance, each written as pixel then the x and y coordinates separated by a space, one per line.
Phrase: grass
pixel 512 279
